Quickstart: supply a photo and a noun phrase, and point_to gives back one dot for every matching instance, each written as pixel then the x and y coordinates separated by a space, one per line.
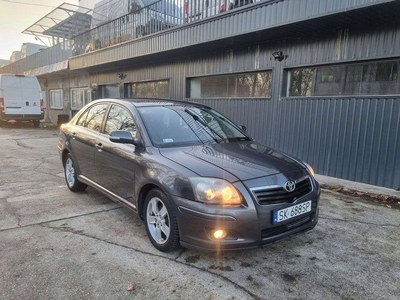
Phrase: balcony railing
pixel 159 16
pixel 141 21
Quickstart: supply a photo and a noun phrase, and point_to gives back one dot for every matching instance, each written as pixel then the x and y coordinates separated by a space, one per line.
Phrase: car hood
pixel 232 161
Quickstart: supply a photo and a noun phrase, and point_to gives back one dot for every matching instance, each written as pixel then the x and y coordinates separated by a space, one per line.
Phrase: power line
pixel 26 3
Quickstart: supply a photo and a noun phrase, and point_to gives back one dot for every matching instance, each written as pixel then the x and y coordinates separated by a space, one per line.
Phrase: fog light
pixel 219 234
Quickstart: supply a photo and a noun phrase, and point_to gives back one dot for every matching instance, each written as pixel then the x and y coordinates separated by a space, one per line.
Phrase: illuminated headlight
pixel 310 169
pixel 215 191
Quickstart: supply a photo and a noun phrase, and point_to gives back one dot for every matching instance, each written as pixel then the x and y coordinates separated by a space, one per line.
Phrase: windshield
pixel 171 126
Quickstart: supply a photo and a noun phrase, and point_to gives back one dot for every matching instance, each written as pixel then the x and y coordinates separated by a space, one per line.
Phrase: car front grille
pixel 270 232
pixel 277 194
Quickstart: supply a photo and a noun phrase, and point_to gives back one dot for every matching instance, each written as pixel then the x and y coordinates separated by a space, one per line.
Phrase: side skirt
pixel 108 193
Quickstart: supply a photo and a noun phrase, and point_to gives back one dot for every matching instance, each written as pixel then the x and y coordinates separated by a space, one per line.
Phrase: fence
pixel 158 16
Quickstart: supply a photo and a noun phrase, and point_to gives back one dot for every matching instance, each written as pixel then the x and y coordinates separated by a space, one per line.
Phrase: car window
pixel 167 128
pixel 217 123
pixel 188 125
pixel 120 118
pixel 82 119
pixel 94 117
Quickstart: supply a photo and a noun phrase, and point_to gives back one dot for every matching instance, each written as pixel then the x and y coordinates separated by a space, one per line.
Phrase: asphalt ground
pixel 55 244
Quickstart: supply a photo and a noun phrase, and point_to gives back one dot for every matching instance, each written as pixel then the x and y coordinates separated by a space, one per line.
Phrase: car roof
pixel 141 102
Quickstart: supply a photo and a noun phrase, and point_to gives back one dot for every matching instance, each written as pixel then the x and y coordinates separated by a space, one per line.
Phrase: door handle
pixel 99 146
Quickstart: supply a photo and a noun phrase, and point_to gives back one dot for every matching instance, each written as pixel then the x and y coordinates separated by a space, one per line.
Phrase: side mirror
pixel 244 128
pixel 123 137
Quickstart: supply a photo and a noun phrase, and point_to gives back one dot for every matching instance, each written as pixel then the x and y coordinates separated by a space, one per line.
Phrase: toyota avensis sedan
pixel 194 177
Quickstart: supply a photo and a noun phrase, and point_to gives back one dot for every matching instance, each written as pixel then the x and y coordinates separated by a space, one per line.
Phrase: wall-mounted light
pixel 121 76
pixel 278 55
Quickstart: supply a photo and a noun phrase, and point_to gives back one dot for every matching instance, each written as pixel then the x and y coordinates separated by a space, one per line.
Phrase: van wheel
pixel 36 124
pixel 160 221
pixel 71 176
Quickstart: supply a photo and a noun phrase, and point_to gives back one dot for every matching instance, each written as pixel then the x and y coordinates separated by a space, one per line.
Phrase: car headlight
pixel 215 191
pixel 310 169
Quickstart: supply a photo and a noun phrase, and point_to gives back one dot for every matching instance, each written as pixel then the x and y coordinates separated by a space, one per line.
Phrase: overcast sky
pixel 18 15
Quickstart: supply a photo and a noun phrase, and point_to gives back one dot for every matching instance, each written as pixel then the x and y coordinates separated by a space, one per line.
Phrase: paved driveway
pixel 55 244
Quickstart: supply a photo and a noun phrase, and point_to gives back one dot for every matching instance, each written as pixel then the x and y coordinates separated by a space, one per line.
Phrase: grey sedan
pixel 194 177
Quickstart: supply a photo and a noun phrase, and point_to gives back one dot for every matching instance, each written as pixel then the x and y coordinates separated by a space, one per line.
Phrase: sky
pixel 18 15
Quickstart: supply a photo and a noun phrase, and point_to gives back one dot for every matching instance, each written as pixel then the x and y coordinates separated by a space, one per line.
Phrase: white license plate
pixel 292 211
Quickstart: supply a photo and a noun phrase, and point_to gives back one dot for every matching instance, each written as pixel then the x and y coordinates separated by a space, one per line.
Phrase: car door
pixel 116 163
pixel 84 139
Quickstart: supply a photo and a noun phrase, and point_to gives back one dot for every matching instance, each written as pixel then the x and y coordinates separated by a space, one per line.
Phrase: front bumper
pixel 249 226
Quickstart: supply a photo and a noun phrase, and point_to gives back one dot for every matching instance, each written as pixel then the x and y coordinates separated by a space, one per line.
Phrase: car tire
pixel 71 176
pixel 160 221
pixel 36 124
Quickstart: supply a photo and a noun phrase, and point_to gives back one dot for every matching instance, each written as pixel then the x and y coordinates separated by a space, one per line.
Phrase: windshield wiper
pixel 201 121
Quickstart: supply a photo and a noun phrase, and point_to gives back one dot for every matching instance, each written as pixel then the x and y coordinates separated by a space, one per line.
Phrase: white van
pixel 20 99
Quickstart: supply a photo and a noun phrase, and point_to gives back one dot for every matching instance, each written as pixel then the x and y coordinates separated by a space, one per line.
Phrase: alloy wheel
pixel 158 221
pixel 70 172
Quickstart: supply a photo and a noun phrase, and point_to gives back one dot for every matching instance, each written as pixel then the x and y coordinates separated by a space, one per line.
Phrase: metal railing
pixel 141 21
pixel 156 17
pixel 200 9
pixel 159 16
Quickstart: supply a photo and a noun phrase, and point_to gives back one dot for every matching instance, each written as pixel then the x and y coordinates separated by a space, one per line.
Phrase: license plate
pixel 292 211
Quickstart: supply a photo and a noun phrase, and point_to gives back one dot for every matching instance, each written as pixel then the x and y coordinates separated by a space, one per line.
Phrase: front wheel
pixel 71 176
pixel 160 221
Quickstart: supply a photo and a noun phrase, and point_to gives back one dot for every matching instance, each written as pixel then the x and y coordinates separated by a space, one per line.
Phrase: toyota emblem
pixel 290 186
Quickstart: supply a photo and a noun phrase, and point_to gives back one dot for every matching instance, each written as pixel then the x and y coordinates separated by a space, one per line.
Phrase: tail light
pixel 41 105
pixel 186 11
pixel 1 104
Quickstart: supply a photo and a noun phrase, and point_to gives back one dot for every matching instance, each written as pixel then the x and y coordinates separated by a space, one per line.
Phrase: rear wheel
pixel 71 176
pixel 160 221
pixel 36 123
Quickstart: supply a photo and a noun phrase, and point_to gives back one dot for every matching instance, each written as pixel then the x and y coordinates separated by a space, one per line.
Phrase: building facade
pixel 319 80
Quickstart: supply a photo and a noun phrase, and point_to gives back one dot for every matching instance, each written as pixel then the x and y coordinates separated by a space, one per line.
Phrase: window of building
pixel 367 78
pixel 150 89
pixel 302 82
pixel 245 85
pixel 109 91
pixel 56 99
pixel 80 97
pixel 120 118
pixel 93 117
